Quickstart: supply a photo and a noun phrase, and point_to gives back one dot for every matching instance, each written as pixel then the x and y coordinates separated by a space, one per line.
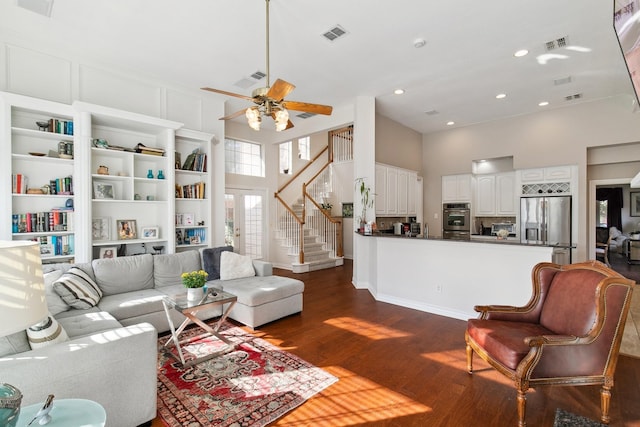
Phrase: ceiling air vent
pixel 247 82
pixel 334 33
pixel 562 81
pixel 432 112
pixel 305 115
pixel 573 97
pixel 557 43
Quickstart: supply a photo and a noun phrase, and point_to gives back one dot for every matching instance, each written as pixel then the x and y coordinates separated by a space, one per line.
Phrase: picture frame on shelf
pixel 179 237
pixel 178 161
pixel 126 229
pixel 194 240
pixel 108 252
pixel 103 190
pixel 634 203
pixel 46 250
pixel 188 219
pixel 149 232
pixel 101 228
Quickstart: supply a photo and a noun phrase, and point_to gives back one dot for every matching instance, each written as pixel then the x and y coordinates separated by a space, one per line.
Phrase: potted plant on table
pixel 194 282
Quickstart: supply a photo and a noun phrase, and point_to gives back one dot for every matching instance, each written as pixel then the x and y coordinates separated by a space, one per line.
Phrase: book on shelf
pixel 19 183
pixel 195 161
pixel 58 219
pixel 191 191
pixel 142 149
pixel 61 186
pixel 64 127
pixel 56 245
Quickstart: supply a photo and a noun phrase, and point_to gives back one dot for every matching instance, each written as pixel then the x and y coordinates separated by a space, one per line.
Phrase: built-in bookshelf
pixel 192 186
pixel 131 181
pixel 39 140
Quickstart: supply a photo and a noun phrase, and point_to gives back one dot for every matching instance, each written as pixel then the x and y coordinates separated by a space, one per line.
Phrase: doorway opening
pixel 245 219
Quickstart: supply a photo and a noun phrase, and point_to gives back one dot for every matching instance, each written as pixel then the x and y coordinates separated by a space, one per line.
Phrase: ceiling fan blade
pixel 234 115
pixel 224 92
pixel 280 89
pixel 308 108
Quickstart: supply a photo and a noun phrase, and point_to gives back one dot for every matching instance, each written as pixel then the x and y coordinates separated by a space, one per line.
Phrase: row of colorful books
pixel 190 191
pixel 56 245
pixel 64 127
pixel 195 161
pixel 19 184
pixel 41 222
pixel 191 236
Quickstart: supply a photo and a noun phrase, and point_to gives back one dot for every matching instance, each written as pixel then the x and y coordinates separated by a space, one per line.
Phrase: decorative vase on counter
pixel 150 174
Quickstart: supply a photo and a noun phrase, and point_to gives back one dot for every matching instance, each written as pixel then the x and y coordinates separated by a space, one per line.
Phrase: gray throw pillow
pixel 77 289
pixel 211 260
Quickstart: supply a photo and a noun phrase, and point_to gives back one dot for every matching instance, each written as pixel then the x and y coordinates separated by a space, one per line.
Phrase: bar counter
pixel 446 277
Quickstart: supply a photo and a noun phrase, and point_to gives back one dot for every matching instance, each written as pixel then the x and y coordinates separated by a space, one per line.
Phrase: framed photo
pixel 126 229
pixel 634 203
pixel 46 250
pixel 194 240
pixel 108 252
pixel 150 232
pixel 347 210
pixel 101 228
pixel 188 219
pixel 103 190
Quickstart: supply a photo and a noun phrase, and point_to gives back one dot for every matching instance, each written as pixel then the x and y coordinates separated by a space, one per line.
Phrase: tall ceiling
pixel 467 59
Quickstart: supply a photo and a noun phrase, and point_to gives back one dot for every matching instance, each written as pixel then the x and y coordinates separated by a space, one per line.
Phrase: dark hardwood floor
pixel 619 263
pixel 402 367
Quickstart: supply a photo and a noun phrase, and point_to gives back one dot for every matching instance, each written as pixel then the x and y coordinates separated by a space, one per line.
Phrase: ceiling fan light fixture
pixel 282 120
pixel 253 118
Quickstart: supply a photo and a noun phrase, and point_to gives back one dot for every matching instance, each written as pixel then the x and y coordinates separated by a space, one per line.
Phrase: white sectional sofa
pixel 111 354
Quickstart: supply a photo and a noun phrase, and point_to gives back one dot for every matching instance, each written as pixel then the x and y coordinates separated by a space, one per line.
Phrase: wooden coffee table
pixel 212 298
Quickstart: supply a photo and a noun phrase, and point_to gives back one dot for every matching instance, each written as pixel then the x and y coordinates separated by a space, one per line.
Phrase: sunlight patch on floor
pixel 353 400
pixel 366 329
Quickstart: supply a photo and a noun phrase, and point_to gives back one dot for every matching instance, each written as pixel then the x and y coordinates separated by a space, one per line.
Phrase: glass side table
pixel 66 413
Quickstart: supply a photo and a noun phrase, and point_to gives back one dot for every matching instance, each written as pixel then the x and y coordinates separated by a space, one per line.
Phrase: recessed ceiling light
pixel 418 43
pixel 451 123
pixel 501 95
pixel 398 91
pixel 521 53
pixel 543 103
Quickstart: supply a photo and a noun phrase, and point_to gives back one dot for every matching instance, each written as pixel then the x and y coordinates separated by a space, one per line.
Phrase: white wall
pixel 553 137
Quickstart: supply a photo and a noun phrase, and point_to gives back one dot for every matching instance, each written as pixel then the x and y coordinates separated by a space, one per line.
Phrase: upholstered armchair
pixel 569 332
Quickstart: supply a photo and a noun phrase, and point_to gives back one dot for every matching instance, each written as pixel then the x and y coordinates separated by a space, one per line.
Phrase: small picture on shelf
pixel 179 237
pixel 103 190
pixel 150 232
pixel 178 162
pixel 194 240
pixel 108 252
pixel 188 219
pixel 46 250
pixel 101 228
pixel 126 229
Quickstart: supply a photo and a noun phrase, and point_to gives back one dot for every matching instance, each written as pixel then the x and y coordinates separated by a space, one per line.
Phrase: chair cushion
pixel 504 340
pixel 124 274
pixel 132 304
pixel 89 323
pixel 253 292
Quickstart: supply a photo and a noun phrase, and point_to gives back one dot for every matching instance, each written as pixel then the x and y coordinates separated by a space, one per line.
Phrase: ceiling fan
pixel 270 100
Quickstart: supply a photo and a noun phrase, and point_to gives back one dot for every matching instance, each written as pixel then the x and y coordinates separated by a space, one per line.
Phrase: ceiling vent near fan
pixel 562 81
pixel 557 43
pixel 432 112
pixel 334 33
pixel 247 82
pixel 573 97
pixel 305 115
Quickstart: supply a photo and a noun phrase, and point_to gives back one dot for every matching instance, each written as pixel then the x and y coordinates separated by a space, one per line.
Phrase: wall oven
pixel 456 221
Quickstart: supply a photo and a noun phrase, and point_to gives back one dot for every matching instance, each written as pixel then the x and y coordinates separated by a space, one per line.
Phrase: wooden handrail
pixel 297 174
pixel 286 206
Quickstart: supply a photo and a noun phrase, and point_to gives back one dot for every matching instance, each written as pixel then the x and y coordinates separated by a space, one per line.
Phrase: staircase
pixel 309 237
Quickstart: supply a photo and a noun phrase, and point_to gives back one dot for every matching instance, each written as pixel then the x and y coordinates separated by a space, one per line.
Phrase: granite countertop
pixel 478 239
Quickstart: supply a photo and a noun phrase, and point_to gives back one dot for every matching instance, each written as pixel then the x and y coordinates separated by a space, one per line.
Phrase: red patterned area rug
pixel 253 385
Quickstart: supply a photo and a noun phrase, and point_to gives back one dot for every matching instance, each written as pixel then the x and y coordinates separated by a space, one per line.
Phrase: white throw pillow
pixel 235 266
pixel 54 302
pixel 45 333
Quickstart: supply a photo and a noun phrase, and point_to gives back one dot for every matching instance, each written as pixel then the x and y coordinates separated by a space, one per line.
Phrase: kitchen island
pixel 446 277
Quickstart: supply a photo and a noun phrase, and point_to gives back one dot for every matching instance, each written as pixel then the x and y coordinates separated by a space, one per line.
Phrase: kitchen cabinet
pixel 456 188
pixel 551 174
pixel 495 195
pixel 395 191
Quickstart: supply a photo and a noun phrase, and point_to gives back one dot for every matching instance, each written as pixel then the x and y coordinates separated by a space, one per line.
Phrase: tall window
pixel 601 210
pixel 243 158
pixel 304 148
pixel 285 157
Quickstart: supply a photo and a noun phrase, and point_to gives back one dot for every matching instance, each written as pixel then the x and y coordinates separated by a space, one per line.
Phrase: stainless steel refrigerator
pixel 547 221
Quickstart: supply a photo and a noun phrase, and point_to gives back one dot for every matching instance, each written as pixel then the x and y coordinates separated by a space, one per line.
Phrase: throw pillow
pixel 54 302
pixel 77 289
pixel 235 266
pixel 45 333
pixel 211 260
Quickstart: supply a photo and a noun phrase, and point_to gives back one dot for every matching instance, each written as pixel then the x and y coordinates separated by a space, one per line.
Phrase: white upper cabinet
pixel 495 195
pixel 395 191
pixel 551 174
pixel 456 188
